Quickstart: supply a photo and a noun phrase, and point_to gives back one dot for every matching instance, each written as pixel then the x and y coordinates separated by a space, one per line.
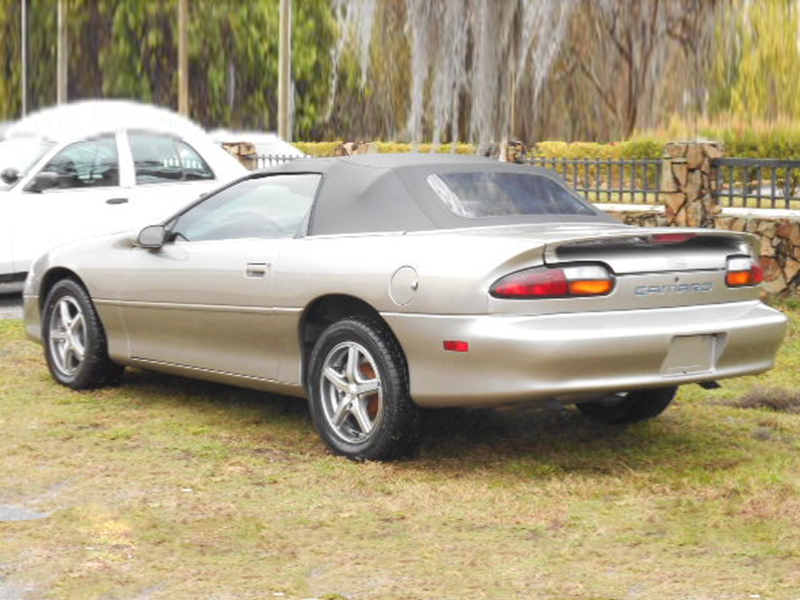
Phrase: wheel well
pixel 53 277
pixel 326 311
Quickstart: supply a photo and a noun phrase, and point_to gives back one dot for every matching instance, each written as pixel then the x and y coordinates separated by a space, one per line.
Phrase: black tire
pixel 631 407
pixel 358 393
pixel 75 344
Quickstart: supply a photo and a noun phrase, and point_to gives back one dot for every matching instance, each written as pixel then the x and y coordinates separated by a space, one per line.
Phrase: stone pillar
pixel 687 183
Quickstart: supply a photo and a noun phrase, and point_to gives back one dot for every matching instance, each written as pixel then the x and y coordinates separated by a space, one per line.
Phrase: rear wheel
pixel 74 341
pixel 358 391
pixel 630 407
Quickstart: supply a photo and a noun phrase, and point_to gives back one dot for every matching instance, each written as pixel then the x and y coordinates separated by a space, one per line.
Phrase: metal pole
pixel 284 69
pixel 24 53
pixel 183 57
pixel 62 50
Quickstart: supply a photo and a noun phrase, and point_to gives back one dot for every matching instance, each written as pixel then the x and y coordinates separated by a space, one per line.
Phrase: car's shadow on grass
pixel 535 441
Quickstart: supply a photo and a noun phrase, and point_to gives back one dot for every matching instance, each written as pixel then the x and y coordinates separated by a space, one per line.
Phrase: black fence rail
pixel 757 183
pixel 602 180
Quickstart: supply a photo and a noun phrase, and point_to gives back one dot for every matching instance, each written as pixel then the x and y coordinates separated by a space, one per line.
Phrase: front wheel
pixel 358 393
pixel 74 341
pixel 630 407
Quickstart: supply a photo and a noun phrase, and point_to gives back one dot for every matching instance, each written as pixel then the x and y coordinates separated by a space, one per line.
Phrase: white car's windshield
pixel 21 155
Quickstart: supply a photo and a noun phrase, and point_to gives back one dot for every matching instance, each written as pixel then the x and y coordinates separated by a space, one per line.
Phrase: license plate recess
pixel 690 354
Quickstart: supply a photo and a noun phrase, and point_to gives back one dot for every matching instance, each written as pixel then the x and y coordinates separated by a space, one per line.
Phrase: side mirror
pixel 43 181
pixel 9 176
pixel 152 237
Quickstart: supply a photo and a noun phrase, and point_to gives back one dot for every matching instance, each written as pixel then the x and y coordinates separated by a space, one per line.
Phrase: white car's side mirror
pixel 9 175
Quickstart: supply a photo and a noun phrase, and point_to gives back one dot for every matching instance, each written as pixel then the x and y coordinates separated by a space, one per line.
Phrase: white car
pixel 96 167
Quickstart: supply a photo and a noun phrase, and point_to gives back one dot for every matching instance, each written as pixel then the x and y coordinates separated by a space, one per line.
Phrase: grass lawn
pixel 165 488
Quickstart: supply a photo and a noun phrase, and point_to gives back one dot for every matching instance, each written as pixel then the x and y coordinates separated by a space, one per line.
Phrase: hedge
pixel 758 140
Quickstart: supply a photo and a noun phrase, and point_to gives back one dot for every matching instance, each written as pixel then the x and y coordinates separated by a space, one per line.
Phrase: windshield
pixel 494 194
pixel 21 155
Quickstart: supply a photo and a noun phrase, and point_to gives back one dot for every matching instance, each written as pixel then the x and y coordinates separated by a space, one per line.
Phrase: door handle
pixel 117 201
pixel 256 269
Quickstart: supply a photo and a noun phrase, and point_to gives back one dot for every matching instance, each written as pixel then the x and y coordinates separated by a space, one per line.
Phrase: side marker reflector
pixel 456 346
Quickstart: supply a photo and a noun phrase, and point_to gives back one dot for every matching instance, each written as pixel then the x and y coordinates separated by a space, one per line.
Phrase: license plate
pixel 689 354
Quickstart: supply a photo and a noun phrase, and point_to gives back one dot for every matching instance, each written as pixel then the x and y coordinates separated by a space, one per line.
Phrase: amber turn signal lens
pixel 591 288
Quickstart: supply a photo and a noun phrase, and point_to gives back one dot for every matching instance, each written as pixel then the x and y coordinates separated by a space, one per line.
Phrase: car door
pixel 75 194
pixel 168 174
pixel 204 300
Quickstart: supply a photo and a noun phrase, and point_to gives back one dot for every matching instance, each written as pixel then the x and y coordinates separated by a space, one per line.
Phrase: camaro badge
pixel 672 288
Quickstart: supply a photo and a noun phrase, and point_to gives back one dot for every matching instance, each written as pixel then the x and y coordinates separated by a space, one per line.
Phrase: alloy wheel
pixel 352 394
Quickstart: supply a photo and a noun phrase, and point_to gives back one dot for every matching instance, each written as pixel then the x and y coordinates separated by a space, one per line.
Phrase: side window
pixel 273 206
pixel 162 158
pixel 90 163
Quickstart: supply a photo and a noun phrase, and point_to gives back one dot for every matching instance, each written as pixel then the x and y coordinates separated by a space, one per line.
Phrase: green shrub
pixel 324 149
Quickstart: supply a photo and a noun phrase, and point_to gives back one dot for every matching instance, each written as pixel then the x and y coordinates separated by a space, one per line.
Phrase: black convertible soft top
pixel 390 192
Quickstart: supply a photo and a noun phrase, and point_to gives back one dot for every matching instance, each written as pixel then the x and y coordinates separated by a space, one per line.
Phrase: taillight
pixel 563 282
pixel 743 271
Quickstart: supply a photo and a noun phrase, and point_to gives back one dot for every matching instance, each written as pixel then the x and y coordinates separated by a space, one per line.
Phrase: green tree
pixel 10 97
pixel 767 77
pixel 128 49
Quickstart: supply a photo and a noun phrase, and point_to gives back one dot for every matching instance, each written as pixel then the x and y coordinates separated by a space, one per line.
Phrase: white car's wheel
pixel 74 340
pixel 358 391
pixel 630 407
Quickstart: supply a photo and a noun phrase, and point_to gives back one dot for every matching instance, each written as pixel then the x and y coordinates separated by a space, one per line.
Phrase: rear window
pixel 498 194
pixel 163 158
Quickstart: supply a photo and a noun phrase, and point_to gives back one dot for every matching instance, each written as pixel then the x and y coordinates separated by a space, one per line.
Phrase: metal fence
pixel 757 183
pixel 737 182
pixel 600 180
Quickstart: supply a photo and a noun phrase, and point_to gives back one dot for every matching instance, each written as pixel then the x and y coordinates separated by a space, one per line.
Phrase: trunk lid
pixel 652 267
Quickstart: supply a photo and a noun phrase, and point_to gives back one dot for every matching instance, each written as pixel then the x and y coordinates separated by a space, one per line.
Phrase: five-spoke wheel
pixel 67 336
pixel 351 393
pixel 358 388
pixel 74 340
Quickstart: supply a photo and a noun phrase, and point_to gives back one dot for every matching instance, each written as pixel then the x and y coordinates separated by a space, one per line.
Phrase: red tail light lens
pixel 743 271
pixel 565 282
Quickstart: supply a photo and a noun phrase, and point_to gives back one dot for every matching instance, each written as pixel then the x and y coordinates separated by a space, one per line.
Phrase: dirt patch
pixel 777 399
pixel 16 513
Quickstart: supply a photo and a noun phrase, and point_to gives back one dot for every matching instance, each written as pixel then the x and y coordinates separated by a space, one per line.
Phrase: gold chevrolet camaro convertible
pixel 379 285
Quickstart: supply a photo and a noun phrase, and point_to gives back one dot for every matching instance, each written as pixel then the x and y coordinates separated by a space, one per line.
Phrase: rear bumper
pixel 513 359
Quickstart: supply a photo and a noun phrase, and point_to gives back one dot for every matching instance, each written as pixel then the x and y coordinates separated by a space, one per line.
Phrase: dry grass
pixel 164 488
pixel 770 398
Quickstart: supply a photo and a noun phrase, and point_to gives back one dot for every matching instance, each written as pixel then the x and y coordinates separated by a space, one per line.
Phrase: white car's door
pixel 75 194
pixel 168 174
